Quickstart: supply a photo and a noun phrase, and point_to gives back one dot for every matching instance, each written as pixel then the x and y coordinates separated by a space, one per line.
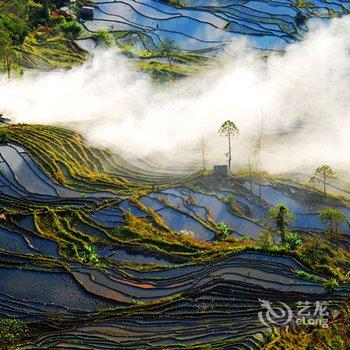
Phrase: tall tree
pixel 332 217
pixel 257 153
pixel 250 174
pixel 323 174
pixel 281 217
pixel 229 129
pixel 203 148
pixel 9 56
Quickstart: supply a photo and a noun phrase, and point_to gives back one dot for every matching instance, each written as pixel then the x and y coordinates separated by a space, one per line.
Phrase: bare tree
pixel 257 153
pixel 250 174
pixel 203 148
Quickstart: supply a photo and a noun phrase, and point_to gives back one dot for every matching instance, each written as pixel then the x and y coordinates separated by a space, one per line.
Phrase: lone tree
pixel 322 174
pixel 167 48
pixel 282 217
pixel 202 148
pixel 257 153
pixel 229 130
pixel 332 217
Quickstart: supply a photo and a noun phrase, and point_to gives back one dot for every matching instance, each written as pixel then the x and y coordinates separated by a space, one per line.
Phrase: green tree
pixel 292 241
pixel 167 48
pixel 229 129
pixel 90 255
pixel 9 56
pixel 265 239
pixel 323 174
pixel 71 29
pixel 281 217
pixel 11 332
pixel 103 38
pixel 331 285
pixel 332 217
pixel 306 275
pixel 223 230
pixel 45 9
pixel 17 28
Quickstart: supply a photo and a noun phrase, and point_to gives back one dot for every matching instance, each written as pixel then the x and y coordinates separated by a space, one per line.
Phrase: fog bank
pixel 303 95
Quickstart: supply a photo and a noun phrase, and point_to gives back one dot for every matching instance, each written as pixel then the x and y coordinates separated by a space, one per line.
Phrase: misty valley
pixel 174 174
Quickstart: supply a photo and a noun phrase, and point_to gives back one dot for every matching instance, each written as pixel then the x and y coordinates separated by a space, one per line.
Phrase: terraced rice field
pixel 186 321
pixel 102 252
pixel 164 276
pixel 195 25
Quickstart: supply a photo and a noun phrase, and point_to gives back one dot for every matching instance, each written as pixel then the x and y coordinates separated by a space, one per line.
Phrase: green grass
pixel 42 50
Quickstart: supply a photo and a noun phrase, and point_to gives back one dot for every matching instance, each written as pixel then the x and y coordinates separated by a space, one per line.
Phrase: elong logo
pixel 280 314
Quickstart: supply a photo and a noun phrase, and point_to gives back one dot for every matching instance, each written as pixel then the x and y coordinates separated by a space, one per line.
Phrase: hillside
pixel 218 217
pixel 132 251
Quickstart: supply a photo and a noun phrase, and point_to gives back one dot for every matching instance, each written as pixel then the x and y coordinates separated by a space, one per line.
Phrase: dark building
pixel 87 13
pixel 221 170
pixel 300 19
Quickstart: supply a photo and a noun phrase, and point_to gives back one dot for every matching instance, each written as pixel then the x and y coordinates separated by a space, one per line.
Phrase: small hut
pixel 220 170
pixel 300 19
pixel 87 13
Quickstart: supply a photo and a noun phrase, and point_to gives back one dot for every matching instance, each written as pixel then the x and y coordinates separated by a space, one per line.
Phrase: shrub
pixel 281 217
pixel 103 38
pixel 269 336
pixel 16 27
pixel 315 256
pixel 3 138
pixel 71 29
pixel 338 343
pixel 332 217
pixel 265 239
pixel 223 230
pixel 90 255
pixel 71 249
pixel 306 275
pixel 11 332
pixel 331 284
pixel 292 241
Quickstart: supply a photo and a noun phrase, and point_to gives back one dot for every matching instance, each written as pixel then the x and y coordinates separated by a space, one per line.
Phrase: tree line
pixel 20 17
